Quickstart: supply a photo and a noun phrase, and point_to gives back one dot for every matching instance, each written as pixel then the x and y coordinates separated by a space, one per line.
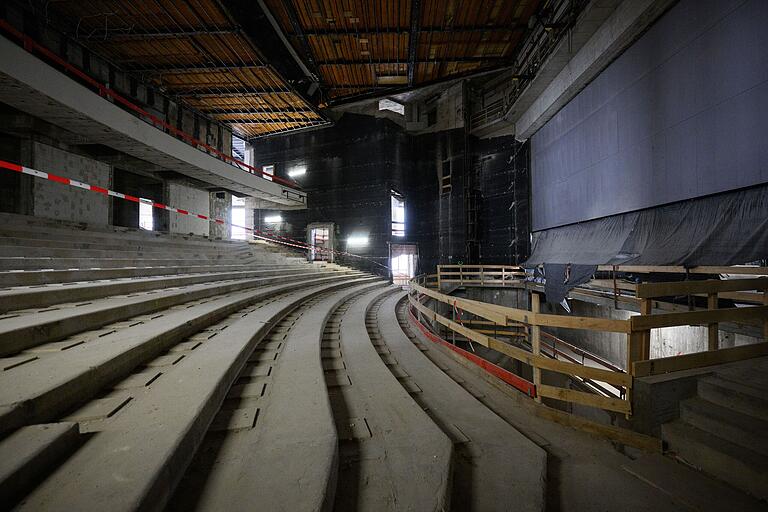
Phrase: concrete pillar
pixel 220 208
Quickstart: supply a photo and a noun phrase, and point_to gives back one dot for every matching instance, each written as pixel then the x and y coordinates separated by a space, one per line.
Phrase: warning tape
pixel 263 235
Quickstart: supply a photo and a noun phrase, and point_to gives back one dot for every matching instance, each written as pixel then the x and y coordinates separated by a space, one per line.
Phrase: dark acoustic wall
pixel 680 114
pixel 504 211
pixel 353 166
pixel 350 170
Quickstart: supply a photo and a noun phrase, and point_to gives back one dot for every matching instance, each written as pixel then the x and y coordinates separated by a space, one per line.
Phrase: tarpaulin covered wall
pixel 682 113
pixel 724 229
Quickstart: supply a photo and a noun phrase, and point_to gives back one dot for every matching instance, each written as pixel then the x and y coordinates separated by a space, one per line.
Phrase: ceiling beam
pixel 298 32
pixel 247 120
pixel 481 58
pixel 117 36
pixel 413 40
pixel 332 32
pixel 240 111
pixel 225 91
pixel 194 68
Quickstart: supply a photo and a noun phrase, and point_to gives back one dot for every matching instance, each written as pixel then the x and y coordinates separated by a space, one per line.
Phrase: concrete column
pixel 221 208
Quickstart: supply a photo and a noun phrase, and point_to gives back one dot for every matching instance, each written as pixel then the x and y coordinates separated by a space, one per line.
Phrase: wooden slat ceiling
pixel 193 50
pixel 363 46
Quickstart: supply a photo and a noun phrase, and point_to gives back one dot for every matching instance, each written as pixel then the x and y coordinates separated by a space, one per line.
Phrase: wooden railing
pixel 478 275
pixel 485 323
pixel 510 317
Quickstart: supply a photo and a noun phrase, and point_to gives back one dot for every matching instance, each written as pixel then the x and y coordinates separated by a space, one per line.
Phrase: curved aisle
pixel 497 468
pixel 287 461
pixel 135 460
pixel 392 455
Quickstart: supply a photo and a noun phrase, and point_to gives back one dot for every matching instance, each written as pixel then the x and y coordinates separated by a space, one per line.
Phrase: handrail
pixel 478 320
pixel 29 44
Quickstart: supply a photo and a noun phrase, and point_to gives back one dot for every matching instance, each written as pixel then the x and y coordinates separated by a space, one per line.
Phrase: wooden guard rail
pixel 478 275
pixel 489 318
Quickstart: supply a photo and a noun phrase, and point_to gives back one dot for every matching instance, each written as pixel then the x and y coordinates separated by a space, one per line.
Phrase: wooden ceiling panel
pixel 349 41
pixel 195 51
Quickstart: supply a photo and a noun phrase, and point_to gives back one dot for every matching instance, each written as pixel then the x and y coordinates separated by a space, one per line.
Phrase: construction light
pixel 357 241
pixel 297 171
pixel 273 219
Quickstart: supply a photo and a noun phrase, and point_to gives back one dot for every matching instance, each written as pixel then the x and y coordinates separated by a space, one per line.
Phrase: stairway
pixel 723 430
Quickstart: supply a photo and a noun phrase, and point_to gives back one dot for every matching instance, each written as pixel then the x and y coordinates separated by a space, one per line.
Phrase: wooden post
pixel 646 307
pixel 536 342
pixel 634 353
pixel 713 341
pixel 461 275
pixel 439 277
pixel 765 322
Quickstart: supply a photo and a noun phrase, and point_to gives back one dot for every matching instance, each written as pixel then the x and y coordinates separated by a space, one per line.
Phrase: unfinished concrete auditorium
pixel 384 255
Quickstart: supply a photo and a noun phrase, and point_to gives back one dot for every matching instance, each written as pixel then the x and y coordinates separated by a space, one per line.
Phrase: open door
pixel 403 261
pixel 320 240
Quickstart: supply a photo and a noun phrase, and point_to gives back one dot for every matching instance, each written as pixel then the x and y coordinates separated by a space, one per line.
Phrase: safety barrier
pixel 478 275
pixel 485 323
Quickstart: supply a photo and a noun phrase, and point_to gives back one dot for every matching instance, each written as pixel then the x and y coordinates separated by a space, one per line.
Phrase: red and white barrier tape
pixel 263 235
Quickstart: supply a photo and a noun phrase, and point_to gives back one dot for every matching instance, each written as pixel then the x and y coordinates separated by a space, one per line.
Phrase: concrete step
pixel 124 252
pixel 22 298
pixel 742 429
pixel 392 454
pixel 37 226
pixel 741 398
pixel 154 440
pixel 487 468
pixel 688 488
pixel 11 278
pixel 24 330
pixel 44 389
pixel 291 452
pixel 741 467
pixel 117 245
pixel 39 263
pixel 159 240
pixel 29 453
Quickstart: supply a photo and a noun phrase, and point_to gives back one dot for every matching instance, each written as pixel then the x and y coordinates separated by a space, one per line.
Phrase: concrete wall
pixel 680 114
pixel 57 201
pixel 191 199
pixel 220 204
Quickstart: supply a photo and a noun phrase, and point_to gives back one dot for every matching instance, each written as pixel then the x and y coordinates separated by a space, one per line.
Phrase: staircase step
pixel 27 454
pixel 741 398
pixel 688 488
pixel 741 467
pixel 743 429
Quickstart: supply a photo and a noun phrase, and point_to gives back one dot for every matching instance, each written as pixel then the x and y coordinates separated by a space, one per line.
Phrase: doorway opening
pixel 403 262
pixel 320 240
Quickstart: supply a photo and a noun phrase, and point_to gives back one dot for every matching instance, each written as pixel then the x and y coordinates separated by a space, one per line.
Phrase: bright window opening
pixel 357 241
pixel 268 171
pixel 238 218
pixel 398 215
pixel 238 148
pixel 393 106
pixel 145 216
pixel 273 219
